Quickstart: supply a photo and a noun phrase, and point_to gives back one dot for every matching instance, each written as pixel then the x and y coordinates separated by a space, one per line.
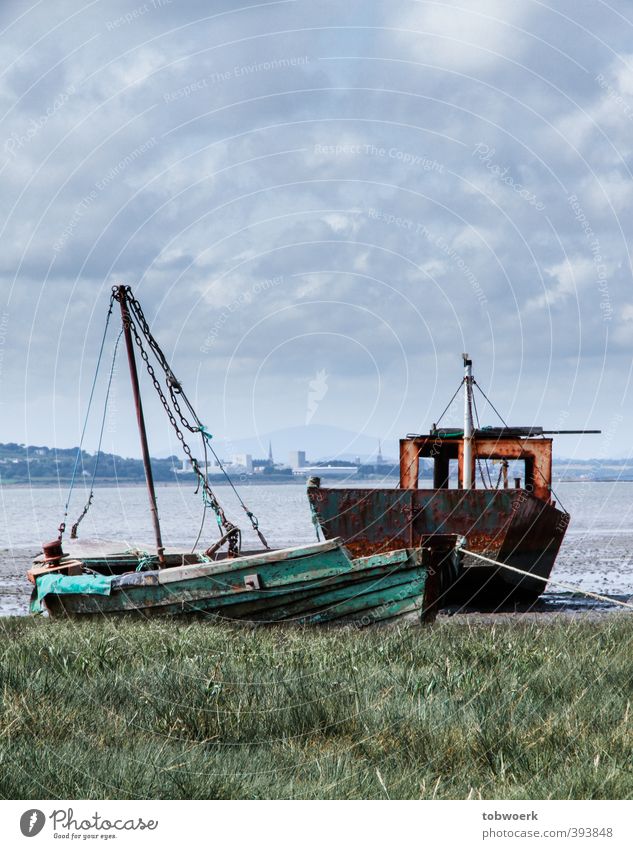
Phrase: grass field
pixel 518 709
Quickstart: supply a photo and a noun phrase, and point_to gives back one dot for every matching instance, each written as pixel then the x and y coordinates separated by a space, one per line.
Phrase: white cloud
pixel 465 35
pixel 272 175
pixel 569 277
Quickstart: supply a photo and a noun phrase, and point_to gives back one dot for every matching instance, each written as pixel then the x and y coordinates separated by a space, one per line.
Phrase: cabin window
pixel 517 473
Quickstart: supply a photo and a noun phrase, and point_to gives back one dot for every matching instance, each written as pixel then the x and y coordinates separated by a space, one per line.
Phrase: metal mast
pixel 125 316
pixel 467 470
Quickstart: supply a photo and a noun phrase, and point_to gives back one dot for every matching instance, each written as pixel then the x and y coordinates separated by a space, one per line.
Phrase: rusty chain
pixel 232 532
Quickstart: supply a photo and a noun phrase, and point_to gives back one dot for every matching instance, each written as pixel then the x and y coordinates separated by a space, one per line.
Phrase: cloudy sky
pixel 320 205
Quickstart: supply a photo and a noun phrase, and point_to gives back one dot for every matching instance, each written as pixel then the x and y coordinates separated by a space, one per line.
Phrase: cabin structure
pixel 505 444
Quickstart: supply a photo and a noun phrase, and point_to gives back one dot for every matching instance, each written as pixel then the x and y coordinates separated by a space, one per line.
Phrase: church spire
pixel 379 460
pixel 271 462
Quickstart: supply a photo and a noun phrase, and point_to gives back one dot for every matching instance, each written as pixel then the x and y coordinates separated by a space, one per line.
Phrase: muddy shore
pixel 15 591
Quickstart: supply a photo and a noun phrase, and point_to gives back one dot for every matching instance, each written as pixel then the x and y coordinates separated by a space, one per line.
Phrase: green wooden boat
pixel 310 584
pixel 318 583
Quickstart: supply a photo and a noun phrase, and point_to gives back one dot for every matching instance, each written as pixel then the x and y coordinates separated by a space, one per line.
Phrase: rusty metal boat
pixel 521 526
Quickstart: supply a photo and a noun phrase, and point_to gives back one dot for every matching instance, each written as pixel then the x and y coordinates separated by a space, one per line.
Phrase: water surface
pixel 596 554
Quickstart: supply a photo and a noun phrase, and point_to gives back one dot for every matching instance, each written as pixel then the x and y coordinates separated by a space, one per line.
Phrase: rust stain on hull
pixel 512 526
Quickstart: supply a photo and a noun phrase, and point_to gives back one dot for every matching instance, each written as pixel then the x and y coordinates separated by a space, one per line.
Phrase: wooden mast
pixel 129 343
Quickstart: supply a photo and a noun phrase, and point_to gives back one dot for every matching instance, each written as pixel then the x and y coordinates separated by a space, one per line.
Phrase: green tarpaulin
pixel 69 585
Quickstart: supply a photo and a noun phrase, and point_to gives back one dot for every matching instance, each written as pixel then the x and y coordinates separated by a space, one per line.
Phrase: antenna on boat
pixel 121 293
pixel 467 470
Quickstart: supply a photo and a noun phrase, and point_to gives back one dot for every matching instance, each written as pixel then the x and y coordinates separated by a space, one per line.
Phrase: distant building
pixel 245 460
pixel 297 459
pixel 326 471
pixel 383 467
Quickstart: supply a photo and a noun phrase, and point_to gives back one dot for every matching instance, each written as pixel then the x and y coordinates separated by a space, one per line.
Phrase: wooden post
pixel 129 343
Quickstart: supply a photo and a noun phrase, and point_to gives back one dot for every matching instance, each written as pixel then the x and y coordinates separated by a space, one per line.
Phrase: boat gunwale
pixel 212 567
pixel 204 570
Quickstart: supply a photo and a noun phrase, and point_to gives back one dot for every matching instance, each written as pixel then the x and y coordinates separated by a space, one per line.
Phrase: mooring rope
pixel 62 526
pixel 560 584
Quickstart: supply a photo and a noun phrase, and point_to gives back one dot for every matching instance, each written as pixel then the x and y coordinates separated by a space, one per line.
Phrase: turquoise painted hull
pixel 315 584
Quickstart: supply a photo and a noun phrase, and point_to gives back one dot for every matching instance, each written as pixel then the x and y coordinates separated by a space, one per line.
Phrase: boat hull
pixel 315 584
pixel 508 525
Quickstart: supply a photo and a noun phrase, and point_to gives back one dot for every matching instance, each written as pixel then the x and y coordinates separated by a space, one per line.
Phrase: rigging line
pixel 73 531
pixel 437 422
pixel 478 459
pixel 451 401
pixel 62 526
pixel 207 446
pixel 202 479
pixel 253 519
pixel 175 388
pixel 233 534
pixel 479 466
pixel 505 424
pixel 204 504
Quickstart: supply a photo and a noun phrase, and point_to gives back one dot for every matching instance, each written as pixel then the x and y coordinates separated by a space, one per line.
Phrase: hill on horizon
pixel 320 442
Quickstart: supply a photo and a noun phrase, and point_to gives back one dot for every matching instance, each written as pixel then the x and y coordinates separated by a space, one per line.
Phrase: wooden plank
pixel 333 599
pixel 400 555
pixel 384 602
pixel 67 567
pixel 385 613
pixel 250 563
pixel 271 575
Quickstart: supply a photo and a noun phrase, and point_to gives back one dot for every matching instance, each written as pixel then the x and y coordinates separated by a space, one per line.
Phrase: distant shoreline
pixel 350 482
pixel 220 482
